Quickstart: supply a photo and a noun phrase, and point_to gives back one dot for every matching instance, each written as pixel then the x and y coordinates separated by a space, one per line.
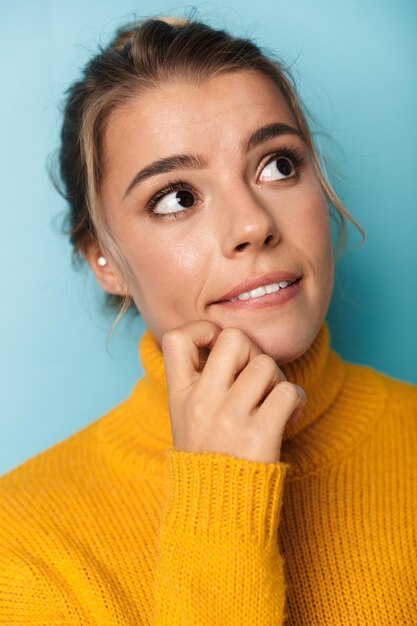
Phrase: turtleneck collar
pixel 340 407
pixel 319 371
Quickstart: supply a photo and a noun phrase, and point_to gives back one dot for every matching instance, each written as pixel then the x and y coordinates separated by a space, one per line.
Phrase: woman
pixel 252 476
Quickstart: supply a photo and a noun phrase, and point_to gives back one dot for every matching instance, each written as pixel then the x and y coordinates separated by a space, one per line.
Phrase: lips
pixel 258 281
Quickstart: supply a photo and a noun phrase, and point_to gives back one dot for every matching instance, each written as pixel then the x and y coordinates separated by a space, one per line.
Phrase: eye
pixel 277 169
pixel 175 199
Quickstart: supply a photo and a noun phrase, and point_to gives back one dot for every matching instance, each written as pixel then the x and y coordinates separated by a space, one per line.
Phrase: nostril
pixel 242 246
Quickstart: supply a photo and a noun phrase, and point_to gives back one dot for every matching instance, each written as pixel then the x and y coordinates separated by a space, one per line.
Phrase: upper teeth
pixel 261 291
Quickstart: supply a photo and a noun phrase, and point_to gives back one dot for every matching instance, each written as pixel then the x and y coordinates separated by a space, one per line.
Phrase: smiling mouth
pixel 260 294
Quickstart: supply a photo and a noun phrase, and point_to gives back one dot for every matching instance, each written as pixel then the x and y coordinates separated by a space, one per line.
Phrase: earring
pixel 101 261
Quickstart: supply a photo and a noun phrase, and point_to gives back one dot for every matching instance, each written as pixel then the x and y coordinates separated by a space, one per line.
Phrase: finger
pixel 181 350
pixel 253 384
pixel 297 413
pixel 282 402
pixel 232 351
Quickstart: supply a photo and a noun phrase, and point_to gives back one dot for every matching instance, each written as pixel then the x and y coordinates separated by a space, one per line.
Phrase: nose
pixel 247 223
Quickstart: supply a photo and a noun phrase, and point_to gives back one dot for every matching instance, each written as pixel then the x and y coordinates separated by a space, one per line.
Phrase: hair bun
pixel 172 21
pixel 126 36
pixel 123 37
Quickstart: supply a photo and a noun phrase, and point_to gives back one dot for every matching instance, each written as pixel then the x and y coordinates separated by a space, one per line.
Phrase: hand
pixel 225 395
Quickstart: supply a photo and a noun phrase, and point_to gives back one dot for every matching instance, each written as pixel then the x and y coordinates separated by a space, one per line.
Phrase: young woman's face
pixel 233 214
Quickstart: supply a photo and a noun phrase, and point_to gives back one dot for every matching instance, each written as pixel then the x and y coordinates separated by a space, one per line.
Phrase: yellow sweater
pixel 114 526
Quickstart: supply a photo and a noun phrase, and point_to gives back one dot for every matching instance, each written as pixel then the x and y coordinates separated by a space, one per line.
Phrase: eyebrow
pixel 197 162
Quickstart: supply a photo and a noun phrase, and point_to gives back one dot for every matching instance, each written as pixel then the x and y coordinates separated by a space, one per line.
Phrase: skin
pixel 182 265
pixel 241 224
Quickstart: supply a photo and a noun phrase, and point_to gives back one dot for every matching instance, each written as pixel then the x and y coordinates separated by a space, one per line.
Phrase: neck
pixel 339 411
pixel 319 371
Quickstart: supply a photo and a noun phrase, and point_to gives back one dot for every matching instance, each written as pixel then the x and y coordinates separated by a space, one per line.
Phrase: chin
pixel 286 345
pixel 285 355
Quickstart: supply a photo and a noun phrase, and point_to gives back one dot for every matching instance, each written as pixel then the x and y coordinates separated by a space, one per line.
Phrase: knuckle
pixel 232 333
pixel 196 411
pixel 289 390
pixel 263 361
pixel 172 337
pixel 197 406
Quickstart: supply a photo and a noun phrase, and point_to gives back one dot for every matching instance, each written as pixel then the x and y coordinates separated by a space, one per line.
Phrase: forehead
pixel 181 116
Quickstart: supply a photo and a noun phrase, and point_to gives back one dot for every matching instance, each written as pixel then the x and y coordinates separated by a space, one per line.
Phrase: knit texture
pixel 115 526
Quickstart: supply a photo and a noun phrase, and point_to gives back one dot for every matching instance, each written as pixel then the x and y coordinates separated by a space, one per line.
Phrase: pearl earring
pixel 101 261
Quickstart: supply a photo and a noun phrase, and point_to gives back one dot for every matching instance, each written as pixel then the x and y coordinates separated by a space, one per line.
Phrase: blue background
pixel 355 63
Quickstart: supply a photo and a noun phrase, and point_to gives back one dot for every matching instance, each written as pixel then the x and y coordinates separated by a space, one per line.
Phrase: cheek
pixel 319 240
pixel 315 224
pixel 166 267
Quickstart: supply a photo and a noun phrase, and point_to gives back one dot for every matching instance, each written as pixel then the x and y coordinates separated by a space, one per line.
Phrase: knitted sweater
pixel 115 526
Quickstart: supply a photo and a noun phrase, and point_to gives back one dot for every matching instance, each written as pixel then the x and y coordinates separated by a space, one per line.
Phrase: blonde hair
pixel 142 56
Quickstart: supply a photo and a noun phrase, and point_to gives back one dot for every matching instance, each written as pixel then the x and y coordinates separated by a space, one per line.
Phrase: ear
pixel 106 275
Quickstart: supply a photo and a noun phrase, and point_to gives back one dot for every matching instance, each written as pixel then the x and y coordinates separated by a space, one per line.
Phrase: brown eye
pixel 283 166
pixel 278 168
pixel 185 198
pixel 174 202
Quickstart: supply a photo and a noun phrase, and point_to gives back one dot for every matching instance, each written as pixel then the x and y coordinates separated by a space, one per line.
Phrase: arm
pixel 219 561
pixel 28 592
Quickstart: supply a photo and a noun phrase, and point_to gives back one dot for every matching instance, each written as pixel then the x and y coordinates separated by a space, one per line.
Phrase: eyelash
pixel 292 153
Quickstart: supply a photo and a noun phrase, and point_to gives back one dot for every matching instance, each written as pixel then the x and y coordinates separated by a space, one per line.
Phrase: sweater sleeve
pixel 219 560
pixel 29 594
